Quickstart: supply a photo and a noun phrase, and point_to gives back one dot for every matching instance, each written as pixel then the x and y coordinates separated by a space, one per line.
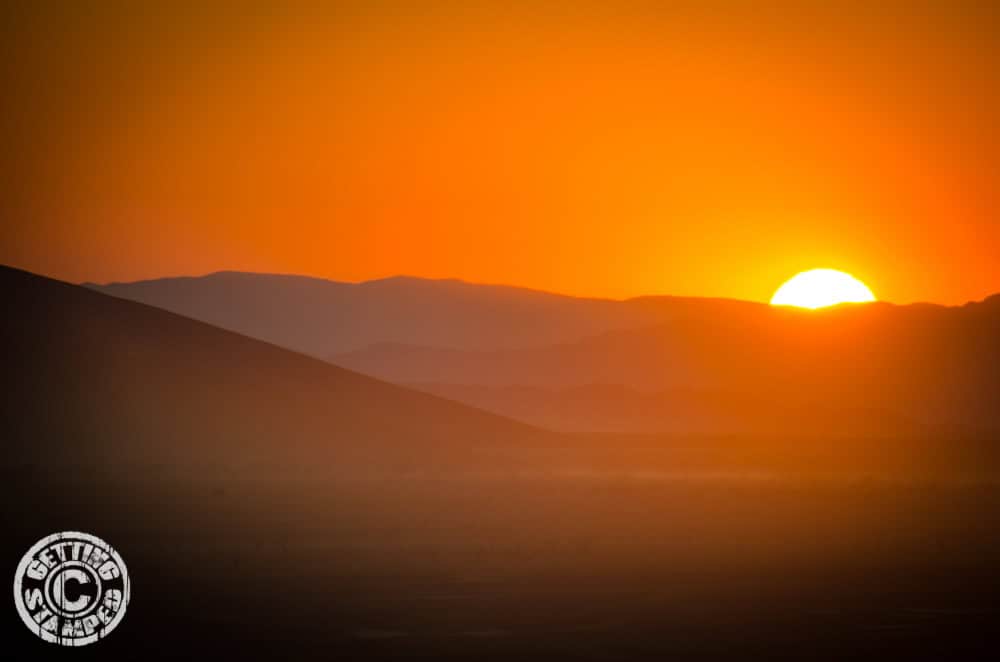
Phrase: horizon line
pixel 458 280
pixel 455 279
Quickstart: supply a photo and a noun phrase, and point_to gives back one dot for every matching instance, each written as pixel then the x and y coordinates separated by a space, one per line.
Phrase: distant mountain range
pixel 647 365
pixel 324 318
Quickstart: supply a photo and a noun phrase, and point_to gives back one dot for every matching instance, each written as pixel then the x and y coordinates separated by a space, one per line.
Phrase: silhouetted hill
pixel 114 376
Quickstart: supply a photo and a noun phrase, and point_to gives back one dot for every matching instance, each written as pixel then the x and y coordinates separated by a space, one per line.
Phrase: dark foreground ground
pixel 561 566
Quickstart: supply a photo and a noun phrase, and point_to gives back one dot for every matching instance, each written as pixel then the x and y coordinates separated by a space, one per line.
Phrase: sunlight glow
pixel 817 288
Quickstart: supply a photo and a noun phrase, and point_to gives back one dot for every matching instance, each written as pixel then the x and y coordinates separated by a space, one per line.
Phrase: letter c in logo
pixel 62 597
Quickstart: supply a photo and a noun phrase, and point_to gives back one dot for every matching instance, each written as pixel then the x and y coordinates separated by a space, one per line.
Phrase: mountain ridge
pixel 410 278
pixel 410 330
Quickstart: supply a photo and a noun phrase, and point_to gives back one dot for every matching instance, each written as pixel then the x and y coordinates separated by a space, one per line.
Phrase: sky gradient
pixel 617 149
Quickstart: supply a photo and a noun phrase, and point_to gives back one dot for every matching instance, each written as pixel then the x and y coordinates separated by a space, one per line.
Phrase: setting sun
pixel 817 288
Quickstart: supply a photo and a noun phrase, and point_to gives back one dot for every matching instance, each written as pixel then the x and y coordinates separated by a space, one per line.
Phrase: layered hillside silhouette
pixel 114 377
pixel 652 365
pixel 876 364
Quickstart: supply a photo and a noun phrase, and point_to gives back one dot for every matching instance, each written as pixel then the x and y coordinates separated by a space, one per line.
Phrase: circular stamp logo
pixel 71 588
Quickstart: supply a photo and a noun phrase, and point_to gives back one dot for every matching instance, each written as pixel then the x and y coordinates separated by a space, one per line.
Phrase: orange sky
pixel 605 149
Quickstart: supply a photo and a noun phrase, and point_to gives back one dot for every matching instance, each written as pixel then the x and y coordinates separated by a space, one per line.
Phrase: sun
pixel 817 288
